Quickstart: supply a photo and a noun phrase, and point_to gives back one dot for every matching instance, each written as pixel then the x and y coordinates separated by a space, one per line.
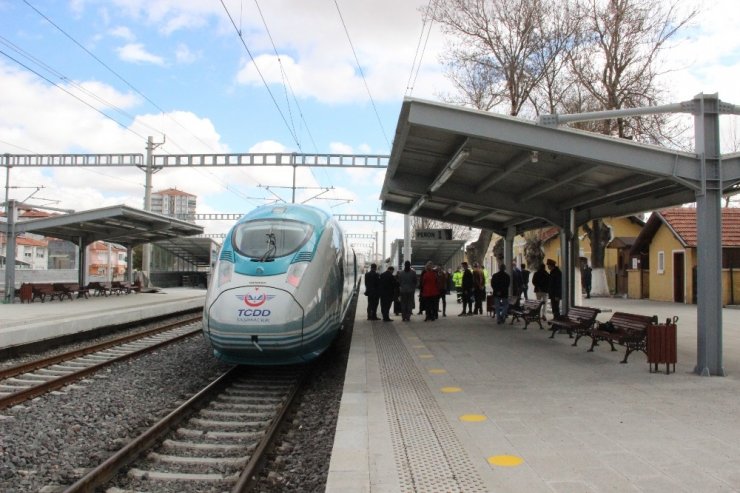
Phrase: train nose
pixel 254 322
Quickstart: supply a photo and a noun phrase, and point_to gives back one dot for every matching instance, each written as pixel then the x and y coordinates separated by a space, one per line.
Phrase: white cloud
pixel 183 54
pixel 122 32
pixel 135 52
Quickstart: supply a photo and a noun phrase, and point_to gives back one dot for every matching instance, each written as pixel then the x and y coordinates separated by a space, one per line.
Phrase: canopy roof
pixel 491 171
pixel 120 224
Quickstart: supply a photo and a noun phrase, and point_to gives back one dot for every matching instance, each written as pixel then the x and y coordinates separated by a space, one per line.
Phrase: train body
pixel 281 287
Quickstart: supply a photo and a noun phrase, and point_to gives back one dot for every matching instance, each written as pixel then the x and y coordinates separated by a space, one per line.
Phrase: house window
pixel 661 262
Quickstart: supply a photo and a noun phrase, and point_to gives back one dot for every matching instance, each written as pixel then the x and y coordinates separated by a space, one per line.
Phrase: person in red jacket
pixel 429 292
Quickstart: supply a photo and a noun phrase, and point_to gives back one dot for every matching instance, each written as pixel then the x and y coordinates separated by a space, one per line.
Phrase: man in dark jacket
pixel 586 280
pixel 525 281
pixel 541 284
pixel 387 287
pixel 500 282
pixel 372 291
pixel 467 290
pixel 555 289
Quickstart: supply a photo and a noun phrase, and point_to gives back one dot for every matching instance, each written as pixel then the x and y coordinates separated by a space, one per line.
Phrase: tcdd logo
pixel 249 312
pixel 255 299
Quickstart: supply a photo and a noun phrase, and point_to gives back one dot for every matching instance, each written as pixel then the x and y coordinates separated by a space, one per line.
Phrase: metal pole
pixel 384 232
pixel 709 232
pixel 146 249
pixel 10 254
pixel 7 182
pixel 406 238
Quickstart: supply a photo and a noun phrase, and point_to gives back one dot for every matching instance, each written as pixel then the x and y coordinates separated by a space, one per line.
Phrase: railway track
pixel 213 442
pixel 24 382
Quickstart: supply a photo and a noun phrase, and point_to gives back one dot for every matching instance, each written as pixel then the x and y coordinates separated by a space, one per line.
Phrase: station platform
pixel 26 323
pixel 462 404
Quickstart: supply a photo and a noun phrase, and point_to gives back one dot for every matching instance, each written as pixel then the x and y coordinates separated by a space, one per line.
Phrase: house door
pixel 678 277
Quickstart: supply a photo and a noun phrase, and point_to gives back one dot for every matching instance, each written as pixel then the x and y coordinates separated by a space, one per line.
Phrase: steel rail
pixel 30 393
pixel 105 471
pixel 247 478
pixel 59 358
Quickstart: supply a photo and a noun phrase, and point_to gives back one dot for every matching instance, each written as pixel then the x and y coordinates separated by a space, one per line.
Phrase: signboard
pixel 434 234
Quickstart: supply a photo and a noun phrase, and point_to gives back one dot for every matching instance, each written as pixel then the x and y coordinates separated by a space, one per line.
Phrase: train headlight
pixel 295 273
pixel 225 271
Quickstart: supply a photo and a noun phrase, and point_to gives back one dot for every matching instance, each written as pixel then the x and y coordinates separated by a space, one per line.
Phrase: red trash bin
pixel 661 345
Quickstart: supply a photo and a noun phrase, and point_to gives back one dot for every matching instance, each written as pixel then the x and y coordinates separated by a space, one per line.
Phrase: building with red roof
pixel 664 257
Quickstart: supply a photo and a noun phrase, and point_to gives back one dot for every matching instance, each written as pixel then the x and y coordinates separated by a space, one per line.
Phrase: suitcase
pixel 396 307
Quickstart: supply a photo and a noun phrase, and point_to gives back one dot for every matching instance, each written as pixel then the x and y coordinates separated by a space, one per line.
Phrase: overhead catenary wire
pixel 137 91
pixel 362 73
pixel 416 63
pixel 72 83
pixel 287 86
pixel 119 76
pixel 259 72
pixel 71 94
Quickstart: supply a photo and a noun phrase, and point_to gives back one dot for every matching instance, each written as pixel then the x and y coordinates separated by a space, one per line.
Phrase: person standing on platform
pixel 517 283
pixel 467 290
pixel 372 291
pixel 387 285
pixel 500 282
pixel 443 282
pixel 541 284
pixel 479 289
pixel 525 281
pixel 586 280
pixel 457 281
pixel 407 282
pixel 555 289
pixel 429 292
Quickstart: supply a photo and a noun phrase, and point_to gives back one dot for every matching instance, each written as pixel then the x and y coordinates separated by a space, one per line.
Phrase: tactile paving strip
pixel 428 455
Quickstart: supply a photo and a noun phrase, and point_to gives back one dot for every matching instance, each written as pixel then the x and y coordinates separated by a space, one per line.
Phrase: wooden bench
pixel 69 288
pixel 42 290
pixel 626 329
pixel 99 289
pixel 529 311
pixel 579 319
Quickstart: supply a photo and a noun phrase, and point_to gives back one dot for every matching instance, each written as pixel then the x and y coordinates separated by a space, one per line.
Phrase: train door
pixel 678 277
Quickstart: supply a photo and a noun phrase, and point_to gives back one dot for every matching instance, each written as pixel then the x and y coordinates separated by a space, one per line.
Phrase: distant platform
pixel 22 324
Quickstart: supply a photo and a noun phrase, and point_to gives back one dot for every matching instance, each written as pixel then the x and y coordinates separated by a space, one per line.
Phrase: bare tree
pixel 616 63
pixel 502 50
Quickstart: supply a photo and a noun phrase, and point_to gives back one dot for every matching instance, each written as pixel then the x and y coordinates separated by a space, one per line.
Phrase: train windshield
pixel 267 239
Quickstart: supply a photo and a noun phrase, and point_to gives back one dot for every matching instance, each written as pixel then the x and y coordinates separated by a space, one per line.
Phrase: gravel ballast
pixel 51 442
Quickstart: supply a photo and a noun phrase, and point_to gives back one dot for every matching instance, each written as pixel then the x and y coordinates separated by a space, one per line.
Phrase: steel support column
pixel 574 252
pixel 565 264
pixel 508 257
pixel 709 234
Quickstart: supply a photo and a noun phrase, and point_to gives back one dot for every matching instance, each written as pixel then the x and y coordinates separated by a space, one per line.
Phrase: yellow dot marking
pixel 437 371
pixel 450 390
pixel 505 460
pixel 473 418
pixel 426 356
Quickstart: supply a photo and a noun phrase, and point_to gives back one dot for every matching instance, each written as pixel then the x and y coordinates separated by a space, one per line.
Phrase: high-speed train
pixel 281 287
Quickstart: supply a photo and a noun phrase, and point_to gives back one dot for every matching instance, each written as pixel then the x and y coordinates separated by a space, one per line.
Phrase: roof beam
pixel 559 181
pixel 640 158
pixel 519 161
pixel 457 193
pixel 632 183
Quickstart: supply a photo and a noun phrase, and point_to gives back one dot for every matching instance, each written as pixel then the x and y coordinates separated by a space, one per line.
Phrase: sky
pixel 206 76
